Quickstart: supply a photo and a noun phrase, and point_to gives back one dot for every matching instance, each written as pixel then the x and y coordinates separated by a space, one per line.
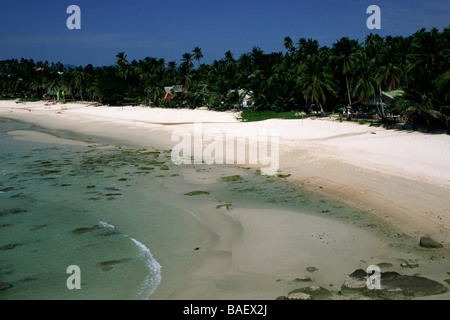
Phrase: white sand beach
pixel 407 174
pixel 400 177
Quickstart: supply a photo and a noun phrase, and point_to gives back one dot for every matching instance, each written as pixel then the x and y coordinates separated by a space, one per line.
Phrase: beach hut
pixel 385 98
pixel 171 90
pixel 174 89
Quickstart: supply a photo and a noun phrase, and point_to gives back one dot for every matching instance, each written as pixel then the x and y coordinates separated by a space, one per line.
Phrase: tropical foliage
pixel 305 77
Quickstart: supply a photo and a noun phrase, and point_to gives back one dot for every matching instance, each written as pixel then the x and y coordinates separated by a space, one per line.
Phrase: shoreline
pixel 329 162
pixel 309 156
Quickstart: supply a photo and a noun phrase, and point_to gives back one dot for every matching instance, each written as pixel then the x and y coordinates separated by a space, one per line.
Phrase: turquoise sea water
pixel 46 225
pixel 121 214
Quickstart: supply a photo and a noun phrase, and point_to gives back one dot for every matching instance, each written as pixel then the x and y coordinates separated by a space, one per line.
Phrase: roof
pixel 168 96
pixel 174 89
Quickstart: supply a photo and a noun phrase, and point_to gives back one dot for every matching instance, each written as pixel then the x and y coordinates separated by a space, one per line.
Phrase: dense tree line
pixel 304 74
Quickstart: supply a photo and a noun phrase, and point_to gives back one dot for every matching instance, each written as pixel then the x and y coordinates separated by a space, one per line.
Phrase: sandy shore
pixel 399 176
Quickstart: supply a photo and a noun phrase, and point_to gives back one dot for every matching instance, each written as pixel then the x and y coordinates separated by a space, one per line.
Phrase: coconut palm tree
pixel 123 66
pixel 343 57
pixel 314 82
pixel 155 93
pixel 187 60
pixel 54 82
pixel 415 104
pixel 366 84
pixel 38 85
pixel 197 54
pixel 389 76
pixel 229 59
pixel 78 78
pixel 289 45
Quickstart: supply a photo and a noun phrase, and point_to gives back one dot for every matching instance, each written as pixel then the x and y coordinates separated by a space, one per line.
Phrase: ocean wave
pixel 154 277
pixel 107 225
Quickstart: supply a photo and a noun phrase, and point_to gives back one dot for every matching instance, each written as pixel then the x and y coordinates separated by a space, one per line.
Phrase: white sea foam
pixel 107 225
pixel 154 277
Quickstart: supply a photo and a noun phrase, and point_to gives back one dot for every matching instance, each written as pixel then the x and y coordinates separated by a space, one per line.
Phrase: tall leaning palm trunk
pixel 348 90
pixel 388 76
pixel 344 54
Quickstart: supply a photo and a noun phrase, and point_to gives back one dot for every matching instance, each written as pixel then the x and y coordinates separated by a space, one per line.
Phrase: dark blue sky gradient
pixel 167 29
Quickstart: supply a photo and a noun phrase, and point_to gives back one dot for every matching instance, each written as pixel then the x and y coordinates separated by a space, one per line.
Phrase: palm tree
pixel 366 83
pixel 307 48
pixel 422 60
pixel 289 45
pixel 344 54
pixel 229 60
pixel 414 104
pixel 155 93
pixel 187 60
pixel 282 87
pixel 37 84
pixel 314 82
pixel 388 76
pixel 54 82
pixel 123 66
pixel 300 43
pixel 184 75
pixel 78 82
pixel 365 88
pixel 197 54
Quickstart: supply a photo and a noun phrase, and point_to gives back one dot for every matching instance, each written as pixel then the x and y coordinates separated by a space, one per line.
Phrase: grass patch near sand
pixel 251 116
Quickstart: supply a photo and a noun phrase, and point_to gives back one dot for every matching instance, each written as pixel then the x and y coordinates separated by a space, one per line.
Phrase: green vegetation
pixel 305 79
pixel 253 115
pixel 236 178
pixel 196 193
pixel 29 99
pixel 226 205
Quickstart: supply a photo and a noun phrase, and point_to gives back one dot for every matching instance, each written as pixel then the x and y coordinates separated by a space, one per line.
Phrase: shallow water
pixel 122 215
pixel 46 234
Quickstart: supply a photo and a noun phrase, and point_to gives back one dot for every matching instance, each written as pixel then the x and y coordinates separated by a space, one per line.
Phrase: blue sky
pixel 167 29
